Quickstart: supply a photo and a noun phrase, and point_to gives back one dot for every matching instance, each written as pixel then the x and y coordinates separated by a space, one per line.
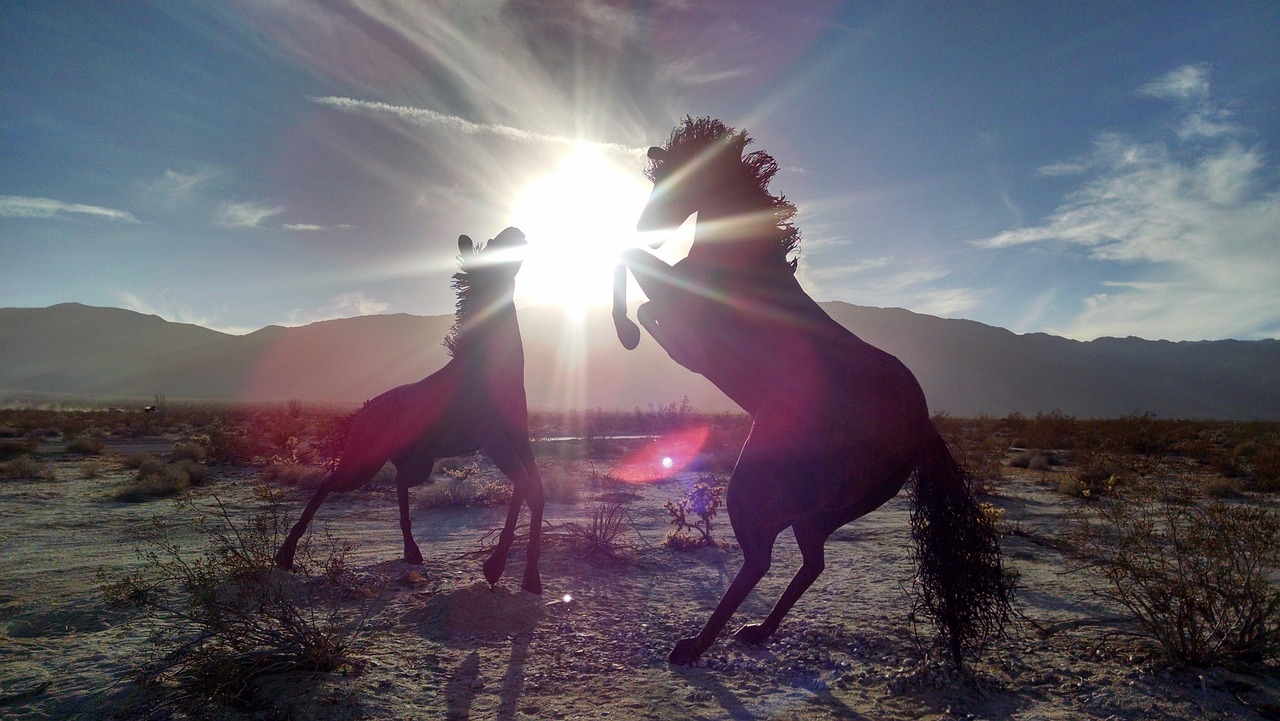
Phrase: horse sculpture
pixel 475 402
pixel 838 425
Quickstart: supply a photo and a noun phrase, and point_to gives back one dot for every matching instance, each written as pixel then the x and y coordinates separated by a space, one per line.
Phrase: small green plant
pixel 694 513
pixel 1194 575
pixel 223 621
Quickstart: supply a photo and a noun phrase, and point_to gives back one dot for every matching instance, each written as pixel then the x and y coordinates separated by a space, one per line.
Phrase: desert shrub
pixel 44 434
pixel 86 446
pixel 198 474
pixel 14 447
pixel 1097 475
pixel 134 461
pixel 222 622
pixel 1051 430
pixel 304 477
pixel 332 437
pixel 189 451
pixel 694 513
pixel 91 469
pixel 154 479
pixel 1266 470
pixel 1221 487
pixel 22 467
pixel 607 535
pixel 1193 575
pixel 9 432
pixel 1034 460
pixel 461 486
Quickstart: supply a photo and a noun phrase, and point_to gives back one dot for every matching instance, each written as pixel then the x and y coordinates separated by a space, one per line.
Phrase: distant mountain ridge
pixel 71 351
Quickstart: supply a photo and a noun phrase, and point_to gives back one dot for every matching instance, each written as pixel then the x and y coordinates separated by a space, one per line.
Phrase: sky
pixel 1083 169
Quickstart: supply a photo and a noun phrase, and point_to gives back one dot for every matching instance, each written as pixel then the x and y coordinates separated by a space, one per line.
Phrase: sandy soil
pixel 441 644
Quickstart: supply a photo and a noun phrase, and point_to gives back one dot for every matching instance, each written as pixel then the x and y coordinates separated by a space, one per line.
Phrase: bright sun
pixel 577 219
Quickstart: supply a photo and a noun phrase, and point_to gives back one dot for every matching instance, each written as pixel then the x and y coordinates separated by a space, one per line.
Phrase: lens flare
pixel 664 456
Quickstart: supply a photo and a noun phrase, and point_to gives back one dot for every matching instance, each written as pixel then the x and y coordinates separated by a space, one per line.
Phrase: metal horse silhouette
pixel 839 425
pixel 475 402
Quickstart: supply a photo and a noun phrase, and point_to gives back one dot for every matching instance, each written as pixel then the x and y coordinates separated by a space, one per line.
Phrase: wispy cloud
pixel 425 116
pixel 311 227
pixel 178 188
pixel 346 305
pixel 1195 219
pixel 244 214
pixel 14 206
pixel 1188 81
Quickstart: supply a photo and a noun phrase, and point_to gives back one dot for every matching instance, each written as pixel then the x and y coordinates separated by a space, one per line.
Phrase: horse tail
pixel 961 586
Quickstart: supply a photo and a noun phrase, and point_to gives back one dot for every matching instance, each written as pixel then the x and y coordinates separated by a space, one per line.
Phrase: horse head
pixel 486 280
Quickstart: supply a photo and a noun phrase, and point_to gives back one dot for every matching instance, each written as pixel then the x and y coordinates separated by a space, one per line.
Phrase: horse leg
pixel 756 553
pixel 811 536
pixel 628 332
pixel 507 461
pixel 756 531
pixel 534 499
pixel 412 554
pixel 284 556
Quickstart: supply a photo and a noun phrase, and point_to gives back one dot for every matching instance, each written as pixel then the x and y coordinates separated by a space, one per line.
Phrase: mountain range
pixel 72 352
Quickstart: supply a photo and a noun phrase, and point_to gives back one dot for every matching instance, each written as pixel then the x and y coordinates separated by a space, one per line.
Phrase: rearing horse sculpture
pixel 839 426
pixel 475 402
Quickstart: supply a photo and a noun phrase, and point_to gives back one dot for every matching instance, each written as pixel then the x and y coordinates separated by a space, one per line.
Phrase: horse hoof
pixel 752 633
pixel 534 586
pixel 685 653
pixel 493 570
pixel 413 557
pixel 628 333
pixel 284 563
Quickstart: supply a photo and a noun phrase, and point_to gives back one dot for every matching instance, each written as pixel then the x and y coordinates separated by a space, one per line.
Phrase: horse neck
pixel 493 339
pixel 734 230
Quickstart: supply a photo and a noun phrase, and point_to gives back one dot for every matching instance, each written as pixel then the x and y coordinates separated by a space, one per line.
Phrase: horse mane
pixel 707 140
pixel 463 285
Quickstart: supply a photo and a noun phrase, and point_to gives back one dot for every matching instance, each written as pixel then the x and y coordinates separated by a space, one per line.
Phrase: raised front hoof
pixel 686 652
pixel 628 332
pixel 752 633
pixel 413 556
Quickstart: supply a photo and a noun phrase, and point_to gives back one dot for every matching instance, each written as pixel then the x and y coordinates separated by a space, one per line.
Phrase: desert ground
pixel 436 641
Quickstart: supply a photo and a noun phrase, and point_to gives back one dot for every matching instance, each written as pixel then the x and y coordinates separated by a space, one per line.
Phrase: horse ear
pixel 465 246
pixel 656 153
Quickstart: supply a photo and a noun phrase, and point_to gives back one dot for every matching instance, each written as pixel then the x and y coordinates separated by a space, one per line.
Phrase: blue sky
pixel 1084 169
